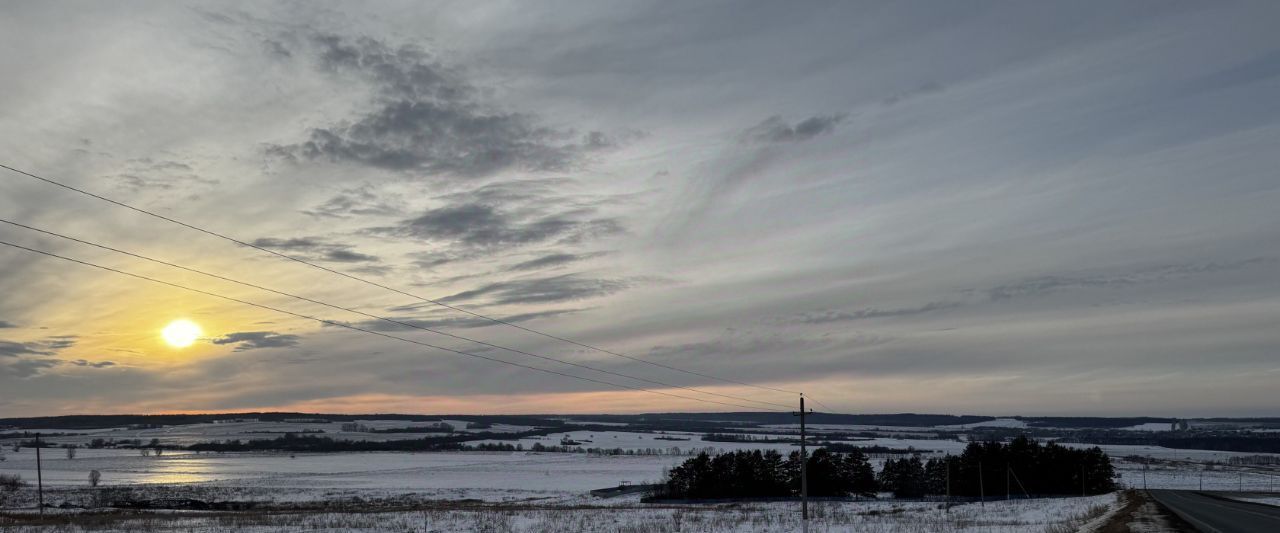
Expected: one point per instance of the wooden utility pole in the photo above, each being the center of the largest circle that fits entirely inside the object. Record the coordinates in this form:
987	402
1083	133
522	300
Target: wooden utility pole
804	472
948	460
982	487
39	476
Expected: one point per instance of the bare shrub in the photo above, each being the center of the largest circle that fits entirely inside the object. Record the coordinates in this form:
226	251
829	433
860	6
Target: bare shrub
11	482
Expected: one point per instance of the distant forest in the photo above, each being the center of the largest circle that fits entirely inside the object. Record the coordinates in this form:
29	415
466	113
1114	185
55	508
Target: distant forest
1022	467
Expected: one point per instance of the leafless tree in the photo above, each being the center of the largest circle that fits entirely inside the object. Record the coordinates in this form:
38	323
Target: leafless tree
144	452
94	478
71	452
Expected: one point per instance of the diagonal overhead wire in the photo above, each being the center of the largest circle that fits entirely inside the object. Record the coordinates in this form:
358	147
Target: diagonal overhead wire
386	287
365	330
380	318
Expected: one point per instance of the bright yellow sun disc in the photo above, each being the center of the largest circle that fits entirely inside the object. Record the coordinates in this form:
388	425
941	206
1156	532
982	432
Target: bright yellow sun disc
181	333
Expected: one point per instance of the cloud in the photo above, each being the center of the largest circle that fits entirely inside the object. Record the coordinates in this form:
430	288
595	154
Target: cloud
482	225
543	290
14	349
99	364
25	368
4	324
251	340
47	346
362	200
926	89
465	322
317	248
829	316
426	117
549	260
1060	283
776	130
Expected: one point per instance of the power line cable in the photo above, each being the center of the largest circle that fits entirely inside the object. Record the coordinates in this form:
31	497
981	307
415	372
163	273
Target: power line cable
385	287
381	318
364	330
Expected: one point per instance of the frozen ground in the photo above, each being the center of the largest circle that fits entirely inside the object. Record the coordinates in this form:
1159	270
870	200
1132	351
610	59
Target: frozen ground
485	475
1065	514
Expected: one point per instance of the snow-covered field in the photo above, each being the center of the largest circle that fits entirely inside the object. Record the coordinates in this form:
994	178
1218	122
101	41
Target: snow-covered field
483	475
854	517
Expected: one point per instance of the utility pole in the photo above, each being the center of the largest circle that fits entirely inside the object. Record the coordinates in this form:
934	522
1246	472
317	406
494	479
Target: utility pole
948	460
1144	473
982	487
1201	478
1006	482
804	472
1240	481
1083	482
39	476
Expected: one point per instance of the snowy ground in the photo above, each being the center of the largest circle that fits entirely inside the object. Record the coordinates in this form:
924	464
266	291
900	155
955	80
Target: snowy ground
484	475
1065	514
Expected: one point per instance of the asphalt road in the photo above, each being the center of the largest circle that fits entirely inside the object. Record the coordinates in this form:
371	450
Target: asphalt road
1213	515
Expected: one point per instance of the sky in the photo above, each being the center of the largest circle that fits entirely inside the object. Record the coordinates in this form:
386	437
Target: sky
961	207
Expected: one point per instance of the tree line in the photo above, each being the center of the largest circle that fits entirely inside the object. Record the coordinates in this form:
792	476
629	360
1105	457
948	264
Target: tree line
1022	467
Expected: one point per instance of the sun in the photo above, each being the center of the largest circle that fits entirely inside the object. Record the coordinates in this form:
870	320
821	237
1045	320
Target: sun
181	333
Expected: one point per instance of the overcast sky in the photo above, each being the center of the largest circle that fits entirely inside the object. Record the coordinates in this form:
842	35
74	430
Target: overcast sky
959	207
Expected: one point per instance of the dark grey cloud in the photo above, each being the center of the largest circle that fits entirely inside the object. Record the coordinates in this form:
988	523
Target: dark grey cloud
357	201
549	260
829	316
14	349
483	225
47	346
776	130
26	368
98	364
426	117
5	324
465	322
160	174
1060	283
543	290
347	256
251	340
317	248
